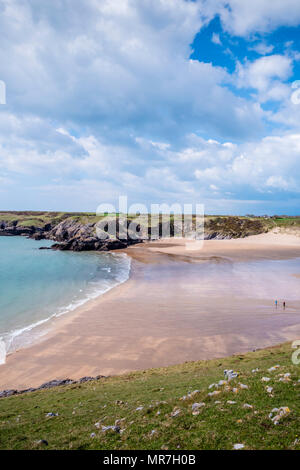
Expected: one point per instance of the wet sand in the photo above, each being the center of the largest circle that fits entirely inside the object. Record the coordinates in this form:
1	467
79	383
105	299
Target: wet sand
159	317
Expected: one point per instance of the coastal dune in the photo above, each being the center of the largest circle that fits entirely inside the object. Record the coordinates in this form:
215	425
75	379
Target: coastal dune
168	312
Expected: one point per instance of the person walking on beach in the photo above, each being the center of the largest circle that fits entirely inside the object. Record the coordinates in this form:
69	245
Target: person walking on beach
283	305
276	303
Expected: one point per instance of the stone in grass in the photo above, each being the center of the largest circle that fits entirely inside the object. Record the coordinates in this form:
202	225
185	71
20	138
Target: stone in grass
111	428
212	386
196	408
215	392
176	412
285	377
118	422
238	446
230	374
139	408
269	389
281	412
197	405
274	368
42	442
230	402
246	405
222	382
189	395
98	424
243	386
51	415
265	379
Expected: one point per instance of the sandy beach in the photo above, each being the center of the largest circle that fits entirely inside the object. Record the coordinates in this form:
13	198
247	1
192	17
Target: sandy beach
160	316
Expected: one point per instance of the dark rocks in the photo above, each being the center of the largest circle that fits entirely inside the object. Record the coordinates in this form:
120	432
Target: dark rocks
48	385
8	393
13	228
86	379
27	390
92	244
55	383
38	236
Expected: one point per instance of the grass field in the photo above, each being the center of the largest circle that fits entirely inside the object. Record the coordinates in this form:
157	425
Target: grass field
148	409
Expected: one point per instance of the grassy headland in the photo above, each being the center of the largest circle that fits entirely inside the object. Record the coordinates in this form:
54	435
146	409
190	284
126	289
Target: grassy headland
148	408
227	226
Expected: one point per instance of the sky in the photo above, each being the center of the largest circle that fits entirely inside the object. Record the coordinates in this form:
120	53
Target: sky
163	101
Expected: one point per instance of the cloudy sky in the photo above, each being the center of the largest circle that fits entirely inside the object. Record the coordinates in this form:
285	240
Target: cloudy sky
165	101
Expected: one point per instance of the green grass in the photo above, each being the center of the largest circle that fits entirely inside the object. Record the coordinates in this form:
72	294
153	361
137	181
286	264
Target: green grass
23	419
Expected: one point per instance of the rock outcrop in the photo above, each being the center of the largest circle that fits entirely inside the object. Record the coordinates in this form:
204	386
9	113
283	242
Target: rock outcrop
75	236
13	228
70	233
51	384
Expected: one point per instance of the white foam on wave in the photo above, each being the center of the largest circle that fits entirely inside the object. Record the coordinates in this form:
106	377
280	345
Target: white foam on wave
18	338
2	352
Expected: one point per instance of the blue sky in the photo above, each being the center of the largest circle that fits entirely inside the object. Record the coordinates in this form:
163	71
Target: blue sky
165	101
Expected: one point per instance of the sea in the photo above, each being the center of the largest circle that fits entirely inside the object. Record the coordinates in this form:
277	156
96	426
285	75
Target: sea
37	286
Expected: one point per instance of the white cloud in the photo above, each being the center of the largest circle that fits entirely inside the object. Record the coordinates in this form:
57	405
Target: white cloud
266	75
270	164
262	48
103	99
216	39
117	67
201	171
242	18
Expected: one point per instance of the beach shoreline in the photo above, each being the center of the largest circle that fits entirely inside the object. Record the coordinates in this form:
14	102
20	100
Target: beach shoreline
156	319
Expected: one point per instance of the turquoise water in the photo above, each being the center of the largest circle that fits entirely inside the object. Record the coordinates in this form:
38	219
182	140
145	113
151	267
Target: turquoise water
39	285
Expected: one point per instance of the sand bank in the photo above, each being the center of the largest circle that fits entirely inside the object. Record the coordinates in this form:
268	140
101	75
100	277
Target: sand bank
160	316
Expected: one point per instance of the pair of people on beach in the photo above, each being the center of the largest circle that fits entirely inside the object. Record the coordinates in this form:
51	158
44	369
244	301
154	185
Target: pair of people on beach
276	304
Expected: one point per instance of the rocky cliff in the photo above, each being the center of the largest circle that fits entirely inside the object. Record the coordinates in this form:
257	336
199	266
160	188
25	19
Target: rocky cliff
68	234
77	234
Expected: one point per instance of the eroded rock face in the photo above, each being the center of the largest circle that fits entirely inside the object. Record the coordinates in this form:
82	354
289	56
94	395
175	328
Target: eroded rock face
86	237
12	229
71	229
71	234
